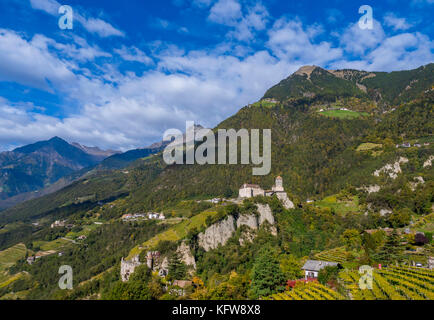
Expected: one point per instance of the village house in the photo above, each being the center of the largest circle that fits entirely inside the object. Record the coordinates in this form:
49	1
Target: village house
152	215
31	259
180	287
216	200
312	267
57	224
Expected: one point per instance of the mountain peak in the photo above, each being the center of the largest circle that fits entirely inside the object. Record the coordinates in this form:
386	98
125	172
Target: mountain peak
56	138
306	70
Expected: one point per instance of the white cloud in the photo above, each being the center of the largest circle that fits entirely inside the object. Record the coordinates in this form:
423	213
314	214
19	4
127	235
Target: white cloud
400	52
92	25
133	54
226	12
358	41
100	27
391	20
124	110
290	41
30	62
244	25
255	20
49	6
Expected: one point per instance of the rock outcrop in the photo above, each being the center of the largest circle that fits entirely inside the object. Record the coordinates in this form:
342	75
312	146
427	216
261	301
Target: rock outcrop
185	254
249	220
428	163
384	212
417	181
217	234
371	189
391	169
220	232
283	197
265	214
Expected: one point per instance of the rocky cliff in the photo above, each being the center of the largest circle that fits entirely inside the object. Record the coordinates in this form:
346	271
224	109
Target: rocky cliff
220	232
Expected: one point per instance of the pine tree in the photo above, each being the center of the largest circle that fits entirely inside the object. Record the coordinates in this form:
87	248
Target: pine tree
177	269
391	251
267	278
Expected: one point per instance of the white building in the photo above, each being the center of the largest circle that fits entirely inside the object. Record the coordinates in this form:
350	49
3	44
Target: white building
278	185
312	267
250	190
58	223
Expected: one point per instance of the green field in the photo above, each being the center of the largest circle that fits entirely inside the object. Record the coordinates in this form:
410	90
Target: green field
265	104
9	257
87	229
51	245
424	223
339	206
343	114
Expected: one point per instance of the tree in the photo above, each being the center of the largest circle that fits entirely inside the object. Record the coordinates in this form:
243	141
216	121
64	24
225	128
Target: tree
328	274
132	290
267	278
391	251
351	239
177	269
291	267
420	239
400	218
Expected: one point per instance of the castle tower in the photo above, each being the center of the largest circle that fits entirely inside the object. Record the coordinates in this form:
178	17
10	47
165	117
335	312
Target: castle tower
149	260
278	185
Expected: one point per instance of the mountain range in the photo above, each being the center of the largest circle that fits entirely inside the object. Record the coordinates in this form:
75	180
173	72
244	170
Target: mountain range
354	150
315	153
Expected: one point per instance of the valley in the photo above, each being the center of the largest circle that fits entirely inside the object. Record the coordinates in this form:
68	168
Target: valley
351	154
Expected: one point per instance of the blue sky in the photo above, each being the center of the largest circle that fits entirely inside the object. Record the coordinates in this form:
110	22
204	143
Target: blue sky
129	70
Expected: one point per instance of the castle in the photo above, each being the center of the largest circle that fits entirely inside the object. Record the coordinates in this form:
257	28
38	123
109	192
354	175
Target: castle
128	267
253	190
152	259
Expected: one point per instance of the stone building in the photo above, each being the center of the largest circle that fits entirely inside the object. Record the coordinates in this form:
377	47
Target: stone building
250	190
253	190
152	258
278	185
128	267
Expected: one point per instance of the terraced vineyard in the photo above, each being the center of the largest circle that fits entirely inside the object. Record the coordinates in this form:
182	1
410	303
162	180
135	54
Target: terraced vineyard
308	291
393	283
9	257
334	255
